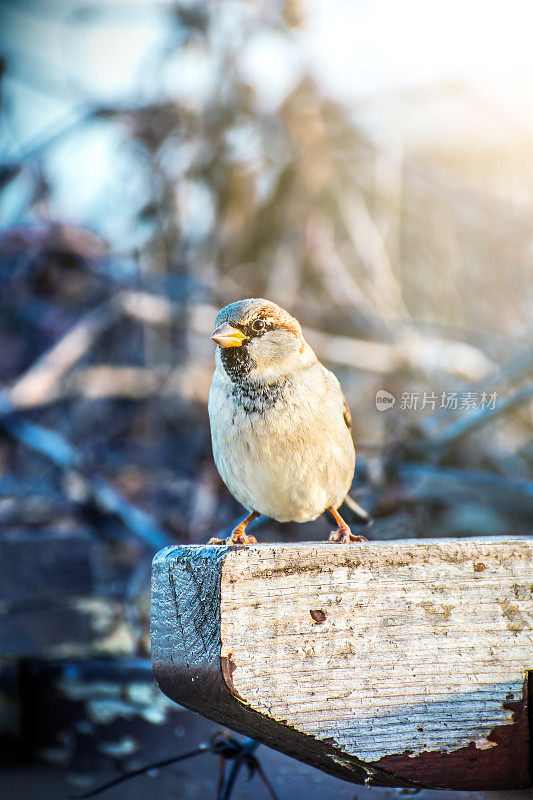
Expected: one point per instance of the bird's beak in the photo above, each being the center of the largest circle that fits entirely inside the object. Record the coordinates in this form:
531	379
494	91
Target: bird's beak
228	336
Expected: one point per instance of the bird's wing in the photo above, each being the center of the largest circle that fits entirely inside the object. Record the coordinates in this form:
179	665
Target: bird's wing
346	413
333	385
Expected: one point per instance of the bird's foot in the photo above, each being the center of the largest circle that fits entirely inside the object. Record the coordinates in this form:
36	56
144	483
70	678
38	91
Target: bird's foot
237	537
240	537
343	535
238	534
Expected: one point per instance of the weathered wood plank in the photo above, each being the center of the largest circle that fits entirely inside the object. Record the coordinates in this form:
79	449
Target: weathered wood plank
382	663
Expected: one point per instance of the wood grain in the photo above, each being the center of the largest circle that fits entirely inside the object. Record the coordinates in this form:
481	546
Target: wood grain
406	661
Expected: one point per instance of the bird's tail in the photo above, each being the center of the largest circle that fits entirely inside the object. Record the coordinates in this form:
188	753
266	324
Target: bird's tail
359	514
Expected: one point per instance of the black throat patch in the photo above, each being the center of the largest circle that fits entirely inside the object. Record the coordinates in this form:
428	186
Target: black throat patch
254	396
237	362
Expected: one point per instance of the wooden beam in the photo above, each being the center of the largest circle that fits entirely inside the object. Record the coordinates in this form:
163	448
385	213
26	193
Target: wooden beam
390	664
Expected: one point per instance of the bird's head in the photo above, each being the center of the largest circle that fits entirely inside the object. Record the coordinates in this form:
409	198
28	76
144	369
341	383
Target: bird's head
259	341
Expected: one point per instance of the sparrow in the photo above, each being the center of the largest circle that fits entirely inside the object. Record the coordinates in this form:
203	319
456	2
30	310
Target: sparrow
280	424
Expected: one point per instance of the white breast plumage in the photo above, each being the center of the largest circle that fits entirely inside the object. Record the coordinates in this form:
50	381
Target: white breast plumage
283	449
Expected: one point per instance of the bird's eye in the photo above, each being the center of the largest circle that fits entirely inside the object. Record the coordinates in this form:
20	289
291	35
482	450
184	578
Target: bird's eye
258	325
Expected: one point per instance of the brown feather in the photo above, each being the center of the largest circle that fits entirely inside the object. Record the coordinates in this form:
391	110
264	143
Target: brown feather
346	414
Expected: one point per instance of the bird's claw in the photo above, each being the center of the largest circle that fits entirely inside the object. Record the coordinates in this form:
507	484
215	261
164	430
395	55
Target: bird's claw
345	536
237	537
240	537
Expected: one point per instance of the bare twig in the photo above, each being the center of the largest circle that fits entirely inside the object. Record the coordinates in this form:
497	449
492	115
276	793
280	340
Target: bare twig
517	368
268	785
103	381
147	307
226	747
339	285
367	240
448	477
54	132
40	383
479	417
242	756
203	748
